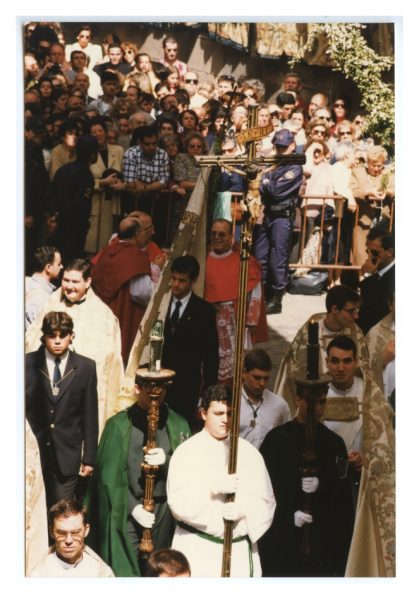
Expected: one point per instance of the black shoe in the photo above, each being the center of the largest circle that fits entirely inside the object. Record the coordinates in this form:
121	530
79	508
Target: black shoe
274	306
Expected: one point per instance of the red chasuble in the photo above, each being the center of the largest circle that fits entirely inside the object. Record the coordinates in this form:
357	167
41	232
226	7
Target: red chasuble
151	250
117	265
222	285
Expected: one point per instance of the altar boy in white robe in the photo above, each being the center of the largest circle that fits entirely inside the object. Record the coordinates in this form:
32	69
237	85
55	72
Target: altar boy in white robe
197	484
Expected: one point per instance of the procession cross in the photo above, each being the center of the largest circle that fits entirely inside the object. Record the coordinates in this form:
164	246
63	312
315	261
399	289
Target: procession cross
251	204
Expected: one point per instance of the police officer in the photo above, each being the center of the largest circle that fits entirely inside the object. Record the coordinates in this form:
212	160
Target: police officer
279	192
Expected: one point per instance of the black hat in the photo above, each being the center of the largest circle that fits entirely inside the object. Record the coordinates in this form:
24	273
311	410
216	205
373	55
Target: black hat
35	124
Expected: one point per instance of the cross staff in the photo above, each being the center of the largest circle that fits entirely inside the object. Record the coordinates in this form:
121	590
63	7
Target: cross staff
252	166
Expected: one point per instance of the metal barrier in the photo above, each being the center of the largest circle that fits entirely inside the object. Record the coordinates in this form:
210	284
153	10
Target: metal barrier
339	214
163	205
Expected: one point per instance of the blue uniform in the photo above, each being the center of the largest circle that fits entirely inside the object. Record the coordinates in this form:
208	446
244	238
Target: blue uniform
279	192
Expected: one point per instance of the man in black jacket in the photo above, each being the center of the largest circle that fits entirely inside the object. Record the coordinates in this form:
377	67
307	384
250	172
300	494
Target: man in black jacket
190	340
62	409
377	289
72	189
37	186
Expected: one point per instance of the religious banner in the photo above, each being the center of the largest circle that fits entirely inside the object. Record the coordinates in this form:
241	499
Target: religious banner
275	39
232	34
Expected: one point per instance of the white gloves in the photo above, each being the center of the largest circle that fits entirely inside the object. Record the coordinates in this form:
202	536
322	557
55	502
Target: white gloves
143	517
226	484
232	511
265	181
309	485
155	457
300	518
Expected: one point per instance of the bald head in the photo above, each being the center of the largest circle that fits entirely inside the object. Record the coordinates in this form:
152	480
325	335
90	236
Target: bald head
317	101
128	228
145	229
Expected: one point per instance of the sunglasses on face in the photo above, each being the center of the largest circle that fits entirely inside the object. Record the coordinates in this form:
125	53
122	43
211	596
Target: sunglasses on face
358	122
195	81
325	118
345	132
319	131
338	105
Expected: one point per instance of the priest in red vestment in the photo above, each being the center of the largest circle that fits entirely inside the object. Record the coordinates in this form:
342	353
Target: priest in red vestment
124	279
222	290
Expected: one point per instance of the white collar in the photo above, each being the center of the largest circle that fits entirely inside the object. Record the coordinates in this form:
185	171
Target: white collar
52	357
183	300
385	269
224	255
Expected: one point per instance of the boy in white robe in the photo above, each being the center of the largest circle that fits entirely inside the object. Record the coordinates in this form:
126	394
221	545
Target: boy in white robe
197	484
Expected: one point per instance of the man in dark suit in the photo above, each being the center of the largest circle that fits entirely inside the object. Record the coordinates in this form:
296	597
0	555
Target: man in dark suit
62	409
190	340
378	288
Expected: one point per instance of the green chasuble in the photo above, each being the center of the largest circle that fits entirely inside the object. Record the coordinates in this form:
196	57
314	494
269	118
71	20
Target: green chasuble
107	496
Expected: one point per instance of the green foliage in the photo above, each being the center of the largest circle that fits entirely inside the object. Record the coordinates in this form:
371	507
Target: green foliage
352	56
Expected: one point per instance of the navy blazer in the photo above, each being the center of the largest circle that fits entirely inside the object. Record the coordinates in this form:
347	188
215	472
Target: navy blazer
67	424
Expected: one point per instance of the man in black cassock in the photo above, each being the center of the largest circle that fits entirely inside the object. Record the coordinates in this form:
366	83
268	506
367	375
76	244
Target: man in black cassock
307	465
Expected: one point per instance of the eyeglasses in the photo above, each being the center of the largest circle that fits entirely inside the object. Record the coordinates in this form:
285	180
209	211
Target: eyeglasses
352	311
325	118
319	131
195	81
358	122
339	105
218	234
345	132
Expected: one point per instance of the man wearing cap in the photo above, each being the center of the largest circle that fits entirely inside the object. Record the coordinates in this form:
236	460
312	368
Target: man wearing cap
279	193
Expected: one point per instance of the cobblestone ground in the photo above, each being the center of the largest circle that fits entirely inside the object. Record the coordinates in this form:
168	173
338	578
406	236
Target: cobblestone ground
283	327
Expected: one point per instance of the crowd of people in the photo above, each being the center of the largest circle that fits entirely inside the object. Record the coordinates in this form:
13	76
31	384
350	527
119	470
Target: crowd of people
111	136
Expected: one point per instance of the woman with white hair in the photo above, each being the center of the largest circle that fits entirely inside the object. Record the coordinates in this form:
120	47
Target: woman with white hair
373	188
